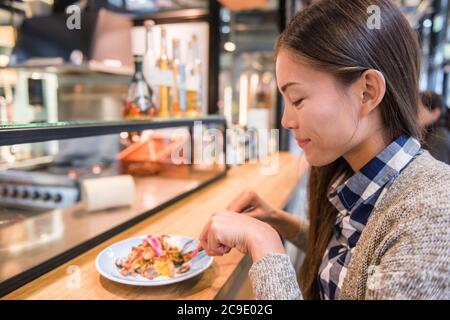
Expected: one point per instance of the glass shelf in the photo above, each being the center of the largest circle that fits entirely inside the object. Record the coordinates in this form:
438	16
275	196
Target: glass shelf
58	66
38	132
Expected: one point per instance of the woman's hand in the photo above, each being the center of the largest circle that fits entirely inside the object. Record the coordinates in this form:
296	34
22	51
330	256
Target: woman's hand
249	203
226	230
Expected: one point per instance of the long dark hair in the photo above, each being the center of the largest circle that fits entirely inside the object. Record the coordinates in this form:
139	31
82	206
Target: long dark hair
334	36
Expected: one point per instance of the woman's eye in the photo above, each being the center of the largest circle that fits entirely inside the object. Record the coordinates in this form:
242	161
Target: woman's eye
297	102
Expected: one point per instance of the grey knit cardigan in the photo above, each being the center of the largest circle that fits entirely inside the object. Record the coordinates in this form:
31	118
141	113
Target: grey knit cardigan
403	252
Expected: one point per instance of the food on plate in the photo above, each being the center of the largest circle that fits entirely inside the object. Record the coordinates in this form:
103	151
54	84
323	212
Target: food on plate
155	257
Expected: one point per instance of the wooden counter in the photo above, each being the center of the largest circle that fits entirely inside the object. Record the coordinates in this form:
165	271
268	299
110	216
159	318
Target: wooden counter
225	279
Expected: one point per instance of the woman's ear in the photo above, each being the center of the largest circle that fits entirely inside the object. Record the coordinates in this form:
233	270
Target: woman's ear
373	89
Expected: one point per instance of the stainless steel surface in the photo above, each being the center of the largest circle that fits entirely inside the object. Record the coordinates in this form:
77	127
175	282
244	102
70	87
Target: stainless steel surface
47	186
37	196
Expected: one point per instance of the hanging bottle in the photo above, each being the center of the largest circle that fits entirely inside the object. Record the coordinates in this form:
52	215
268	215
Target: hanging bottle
179	101
151	72
191	82
139	102
166	77
198	73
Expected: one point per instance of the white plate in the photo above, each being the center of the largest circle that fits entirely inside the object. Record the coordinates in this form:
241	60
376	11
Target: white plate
105	263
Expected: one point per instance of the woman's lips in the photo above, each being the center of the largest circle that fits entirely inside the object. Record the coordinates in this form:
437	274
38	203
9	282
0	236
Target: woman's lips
302	142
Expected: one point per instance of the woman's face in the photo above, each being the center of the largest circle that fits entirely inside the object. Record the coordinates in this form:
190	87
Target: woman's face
322	114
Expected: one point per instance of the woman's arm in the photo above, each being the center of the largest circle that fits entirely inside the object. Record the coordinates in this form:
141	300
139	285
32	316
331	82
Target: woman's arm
289	226
273	278
292	227
272	274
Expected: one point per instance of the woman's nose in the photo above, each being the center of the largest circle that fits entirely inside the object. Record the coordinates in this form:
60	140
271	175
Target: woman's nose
288	121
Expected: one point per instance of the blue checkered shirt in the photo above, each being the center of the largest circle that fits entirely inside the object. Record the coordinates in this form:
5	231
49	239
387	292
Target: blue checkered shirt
355	200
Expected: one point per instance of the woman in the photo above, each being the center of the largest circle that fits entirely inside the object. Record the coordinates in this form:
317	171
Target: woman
379	205
433	114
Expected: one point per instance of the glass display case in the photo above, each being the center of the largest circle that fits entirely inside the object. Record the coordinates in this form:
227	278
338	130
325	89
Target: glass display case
65	187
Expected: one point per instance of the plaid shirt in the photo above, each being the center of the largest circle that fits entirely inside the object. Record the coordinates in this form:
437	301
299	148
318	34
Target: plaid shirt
355	200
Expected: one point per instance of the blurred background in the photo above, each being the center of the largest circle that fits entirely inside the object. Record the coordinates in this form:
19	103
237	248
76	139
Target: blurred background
106	62
87	71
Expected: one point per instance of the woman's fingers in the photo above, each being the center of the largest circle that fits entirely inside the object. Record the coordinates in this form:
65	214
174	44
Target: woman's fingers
243	201
204	235
226	230
255	213
211	235
214	247
208	241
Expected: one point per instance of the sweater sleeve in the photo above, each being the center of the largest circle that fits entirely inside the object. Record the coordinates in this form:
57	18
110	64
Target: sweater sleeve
414	263
273	278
